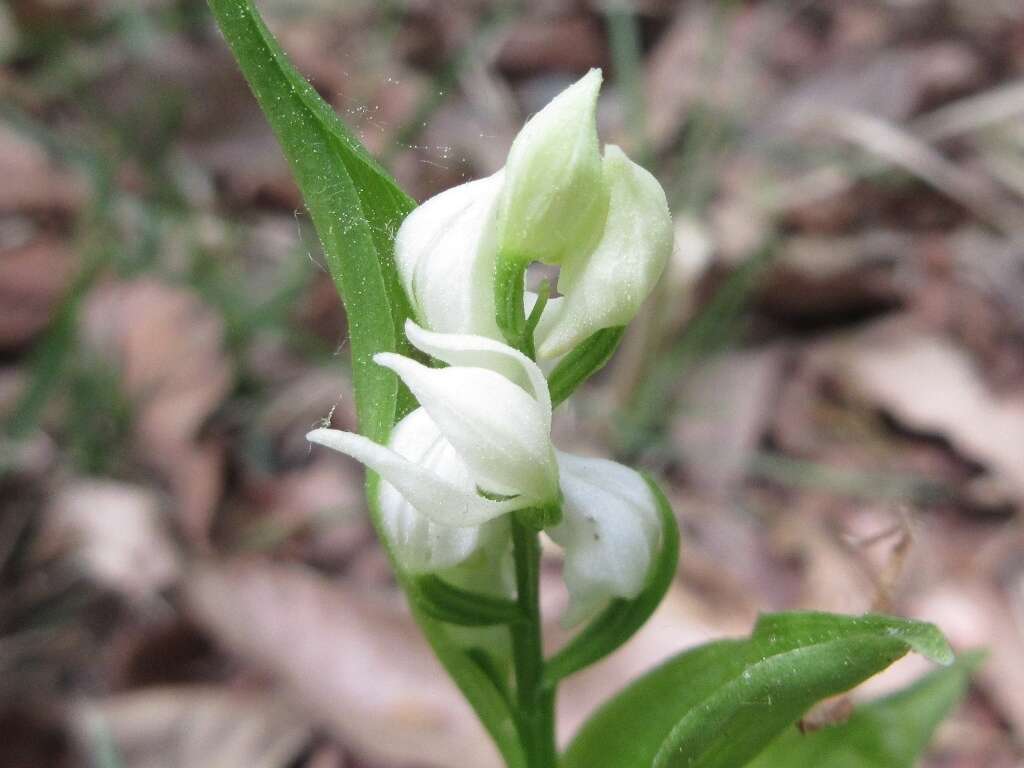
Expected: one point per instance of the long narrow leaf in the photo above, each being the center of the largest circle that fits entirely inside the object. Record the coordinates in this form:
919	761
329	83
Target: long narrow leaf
355	205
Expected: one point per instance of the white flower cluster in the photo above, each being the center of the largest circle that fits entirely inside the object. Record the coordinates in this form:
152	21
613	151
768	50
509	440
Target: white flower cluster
479	446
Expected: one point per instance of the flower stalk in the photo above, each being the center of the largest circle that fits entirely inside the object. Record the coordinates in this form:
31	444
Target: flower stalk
534	701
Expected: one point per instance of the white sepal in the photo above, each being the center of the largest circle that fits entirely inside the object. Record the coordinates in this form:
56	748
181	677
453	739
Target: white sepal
553	202
481	352
610	531
444	255
500	431
606	287
436	497
421	544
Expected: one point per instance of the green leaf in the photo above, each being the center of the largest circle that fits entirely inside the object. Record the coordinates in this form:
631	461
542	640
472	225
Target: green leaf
889	733
718	705
620	620
355	206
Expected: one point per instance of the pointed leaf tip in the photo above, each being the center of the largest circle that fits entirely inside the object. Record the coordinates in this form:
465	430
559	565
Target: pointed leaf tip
919	636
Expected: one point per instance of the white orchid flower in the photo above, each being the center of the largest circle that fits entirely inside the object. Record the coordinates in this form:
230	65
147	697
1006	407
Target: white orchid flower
491	405
604	220
484	426
610	530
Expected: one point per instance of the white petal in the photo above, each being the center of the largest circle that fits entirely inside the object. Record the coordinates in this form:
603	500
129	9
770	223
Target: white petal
554	199
499	430
610	530
481	352
421	544
444	254
605	288
434	496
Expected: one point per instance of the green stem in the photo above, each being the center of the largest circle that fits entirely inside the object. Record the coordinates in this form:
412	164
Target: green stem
510	313
534	700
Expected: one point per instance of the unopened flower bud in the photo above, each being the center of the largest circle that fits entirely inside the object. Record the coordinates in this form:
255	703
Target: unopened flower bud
553	202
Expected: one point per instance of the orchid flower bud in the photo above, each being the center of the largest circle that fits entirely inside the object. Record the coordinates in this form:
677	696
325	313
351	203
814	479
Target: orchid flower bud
498	428
444	255
553	202
610	531
605	288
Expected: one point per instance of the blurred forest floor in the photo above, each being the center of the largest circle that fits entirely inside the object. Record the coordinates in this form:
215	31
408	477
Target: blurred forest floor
830	379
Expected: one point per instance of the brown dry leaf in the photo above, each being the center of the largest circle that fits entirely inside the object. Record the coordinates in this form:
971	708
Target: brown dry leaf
831	579
930	386
184	727
32	181
989	264
116	533
34	277
888	85
222	130
354	660
820	277
547	45
168	347
692	254
725	410
318	508
703	57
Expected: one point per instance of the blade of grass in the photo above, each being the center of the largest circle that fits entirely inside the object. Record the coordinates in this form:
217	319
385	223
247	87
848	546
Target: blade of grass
624	41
